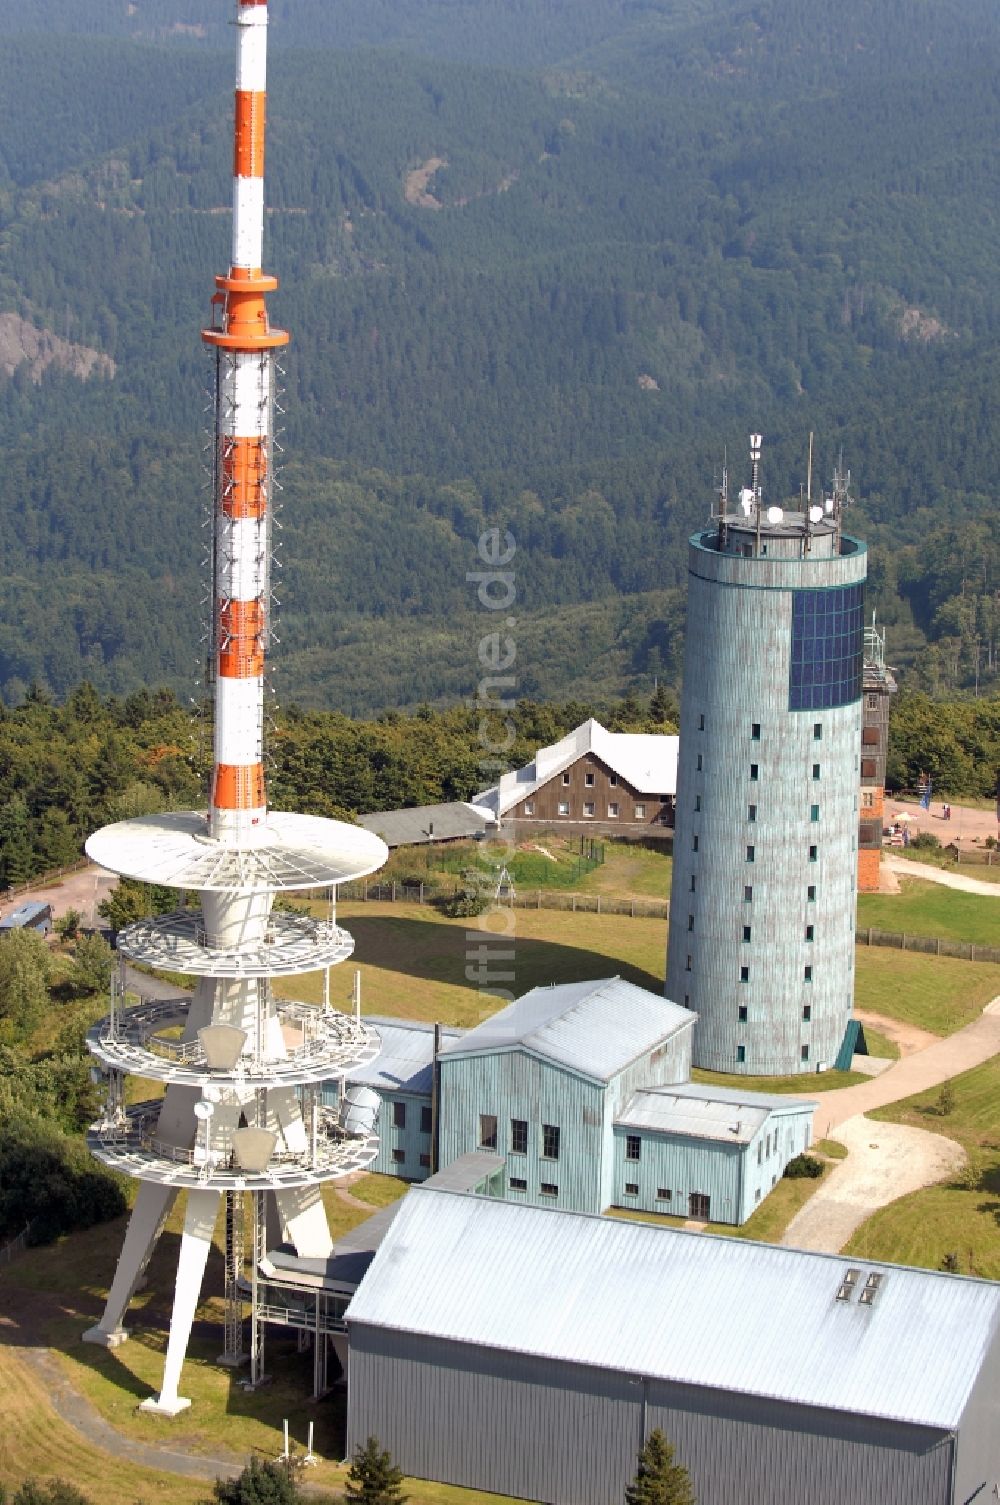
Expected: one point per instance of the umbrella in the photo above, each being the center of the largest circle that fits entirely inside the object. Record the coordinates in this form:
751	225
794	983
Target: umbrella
904	815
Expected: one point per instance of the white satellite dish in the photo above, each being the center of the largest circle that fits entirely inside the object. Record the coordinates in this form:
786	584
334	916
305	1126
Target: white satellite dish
204	1110
746	500
815	514
774	514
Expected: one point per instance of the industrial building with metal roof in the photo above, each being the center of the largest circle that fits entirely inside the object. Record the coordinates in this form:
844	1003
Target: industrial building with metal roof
420	825
529	1352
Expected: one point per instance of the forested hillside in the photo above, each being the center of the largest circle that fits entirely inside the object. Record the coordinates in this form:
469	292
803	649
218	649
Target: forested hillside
639	230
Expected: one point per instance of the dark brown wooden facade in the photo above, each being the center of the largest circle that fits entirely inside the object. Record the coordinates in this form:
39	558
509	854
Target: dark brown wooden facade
590	791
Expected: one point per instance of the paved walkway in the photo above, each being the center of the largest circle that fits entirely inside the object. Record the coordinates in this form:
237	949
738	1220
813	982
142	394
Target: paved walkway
885	1162
968	1047
904	868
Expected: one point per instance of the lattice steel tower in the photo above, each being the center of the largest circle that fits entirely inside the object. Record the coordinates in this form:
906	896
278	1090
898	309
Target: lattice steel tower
764	884
241	1111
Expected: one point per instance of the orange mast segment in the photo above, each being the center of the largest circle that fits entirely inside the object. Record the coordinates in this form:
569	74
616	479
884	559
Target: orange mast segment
244	344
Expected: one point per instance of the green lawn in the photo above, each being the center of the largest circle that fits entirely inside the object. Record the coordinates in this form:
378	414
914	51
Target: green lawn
925	908
880	1045
937	993
802	1083
542	861
920	1229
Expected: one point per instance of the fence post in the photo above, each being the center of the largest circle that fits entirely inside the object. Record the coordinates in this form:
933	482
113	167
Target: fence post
869	935
421	898
937	949
972	948
538	894
632	908
574	903
903	946
598	903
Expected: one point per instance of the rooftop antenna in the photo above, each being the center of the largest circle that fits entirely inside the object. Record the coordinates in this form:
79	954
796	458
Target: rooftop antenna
756	440
723	494
809	492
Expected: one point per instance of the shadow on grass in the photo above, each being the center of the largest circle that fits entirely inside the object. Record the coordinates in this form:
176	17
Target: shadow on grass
437	952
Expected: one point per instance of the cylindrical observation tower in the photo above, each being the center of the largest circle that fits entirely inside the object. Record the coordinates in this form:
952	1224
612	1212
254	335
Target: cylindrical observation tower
239	1070
762	903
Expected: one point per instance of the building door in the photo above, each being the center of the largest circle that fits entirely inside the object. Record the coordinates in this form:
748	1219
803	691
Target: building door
699	1204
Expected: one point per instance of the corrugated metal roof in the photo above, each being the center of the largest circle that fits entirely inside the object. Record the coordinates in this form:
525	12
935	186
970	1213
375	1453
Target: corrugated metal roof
422	824
467	1172
23	915
404	1062
720	1113
595	1028
646	761
690	1308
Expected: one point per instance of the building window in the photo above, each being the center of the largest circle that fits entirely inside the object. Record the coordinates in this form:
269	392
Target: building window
815	770
687	1000
741	1052
613	780
687	964
633	1147
425	1162
640	812
750	854
692	882
487	1131
751	812
399	1157
425	1119
807	1012
519	1136
873	702
663	1194
755	732
746	933
690	921
399	1115
754	773
549	1189
517	1183
588	808
811	893
613	811
805	1052
698	764
814	812
807	973
631	1188
741	1013
813	854
550	1142
563	807
699	1206
694	843
747	893
565	778
588	779
817	731
744	974
701	723
867	800
810	932
697	804
529	807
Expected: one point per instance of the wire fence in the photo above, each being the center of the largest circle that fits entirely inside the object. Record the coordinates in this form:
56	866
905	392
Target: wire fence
933	945
9	1252
43	880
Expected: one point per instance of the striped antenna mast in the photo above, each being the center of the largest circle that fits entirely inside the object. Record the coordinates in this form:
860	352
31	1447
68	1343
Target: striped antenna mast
244	343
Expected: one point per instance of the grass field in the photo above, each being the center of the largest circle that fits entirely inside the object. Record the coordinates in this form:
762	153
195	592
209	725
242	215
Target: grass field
937	993
925	908
548	860
922	1228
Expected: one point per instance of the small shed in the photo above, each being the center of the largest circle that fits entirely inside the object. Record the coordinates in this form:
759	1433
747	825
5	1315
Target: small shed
32	916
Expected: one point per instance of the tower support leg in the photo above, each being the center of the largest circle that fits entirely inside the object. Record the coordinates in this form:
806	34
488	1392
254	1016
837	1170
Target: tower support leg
199	1224
151	1210
304	1215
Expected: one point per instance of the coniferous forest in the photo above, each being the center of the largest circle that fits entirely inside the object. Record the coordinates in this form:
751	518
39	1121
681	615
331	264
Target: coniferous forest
544	263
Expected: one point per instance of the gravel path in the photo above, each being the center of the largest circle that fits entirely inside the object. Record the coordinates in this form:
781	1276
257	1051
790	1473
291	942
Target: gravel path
885	1162
904	868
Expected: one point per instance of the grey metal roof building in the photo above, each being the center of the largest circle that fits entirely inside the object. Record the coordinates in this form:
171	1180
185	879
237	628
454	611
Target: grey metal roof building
420	825
528	1352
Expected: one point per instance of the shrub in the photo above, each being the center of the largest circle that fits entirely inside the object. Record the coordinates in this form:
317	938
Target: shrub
804	1165
925	841
464	903
946	1100
374	1479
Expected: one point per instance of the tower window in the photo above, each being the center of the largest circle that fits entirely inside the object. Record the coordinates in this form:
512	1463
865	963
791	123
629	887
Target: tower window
694	843
817	731
690	921
750	854
744	974
687	964
815	770
807	1012
751	812
698	764
755	732
813	854
807	975
697	804
746	932
748	893
701	723
754	772
811	893
741	1013
814	812
693	882
810	932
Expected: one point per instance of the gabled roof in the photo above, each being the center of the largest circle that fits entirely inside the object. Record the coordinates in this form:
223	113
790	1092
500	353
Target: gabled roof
421	824
404	1062
684	1307
646	762
594	1028
719	1113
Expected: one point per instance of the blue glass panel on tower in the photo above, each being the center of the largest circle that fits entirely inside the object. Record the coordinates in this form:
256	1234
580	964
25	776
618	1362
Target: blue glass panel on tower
827	649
